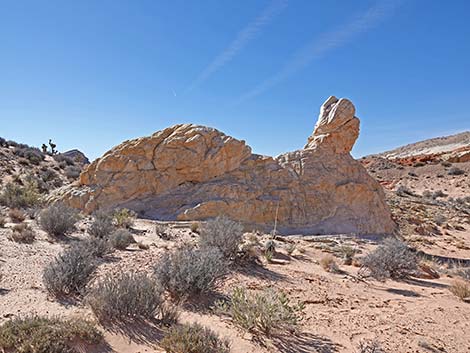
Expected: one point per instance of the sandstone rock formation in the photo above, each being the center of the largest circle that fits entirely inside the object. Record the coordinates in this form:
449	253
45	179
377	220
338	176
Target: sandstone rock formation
189	172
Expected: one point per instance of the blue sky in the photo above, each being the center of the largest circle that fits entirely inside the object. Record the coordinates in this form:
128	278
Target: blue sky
90	74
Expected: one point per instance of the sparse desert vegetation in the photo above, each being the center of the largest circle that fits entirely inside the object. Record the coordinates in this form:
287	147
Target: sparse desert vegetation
213	286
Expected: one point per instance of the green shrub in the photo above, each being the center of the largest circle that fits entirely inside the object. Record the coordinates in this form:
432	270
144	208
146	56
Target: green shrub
124	218
189	271
46	335
102	225
392	259
121	239
224	234
69	273
57	220
15	196
193	338
128	296
261	312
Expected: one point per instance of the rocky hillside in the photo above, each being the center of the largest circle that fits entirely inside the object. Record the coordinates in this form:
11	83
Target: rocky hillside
22	164
454	148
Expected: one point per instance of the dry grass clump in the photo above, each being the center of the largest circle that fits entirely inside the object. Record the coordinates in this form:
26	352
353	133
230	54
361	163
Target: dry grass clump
262	312
223	234
22	233
328	263
193	338
124	218
16	215
392	259
16	196
70	272
129	296
57	220
120	239
370	347
461	289
52	335
102	225
188	271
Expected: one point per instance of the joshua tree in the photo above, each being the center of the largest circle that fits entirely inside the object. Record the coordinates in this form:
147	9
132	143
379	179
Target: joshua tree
53	146
44	148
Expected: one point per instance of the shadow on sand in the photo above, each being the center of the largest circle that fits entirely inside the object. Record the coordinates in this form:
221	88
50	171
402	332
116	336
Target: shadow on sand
304	343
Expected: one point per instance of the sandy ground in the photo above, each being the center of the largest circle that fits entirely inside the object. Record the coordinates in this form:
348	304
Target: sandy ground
340	310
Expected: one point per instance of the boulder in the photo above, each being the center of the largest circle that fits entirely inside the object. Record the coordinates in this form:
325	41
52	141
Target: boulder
190	172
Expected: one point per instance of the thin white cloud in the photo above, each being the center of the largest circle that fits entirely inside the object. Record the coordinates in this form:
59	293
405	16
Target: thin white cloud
324	44
248	33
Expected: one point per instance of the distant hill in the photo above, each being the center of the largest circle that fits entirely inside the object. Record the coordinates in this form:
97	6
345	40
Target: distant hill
435	146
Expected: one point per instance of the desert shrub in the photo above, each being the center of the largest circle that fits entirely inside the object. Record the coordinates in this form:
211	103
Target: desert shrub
347	253
464	273
69	273
32	154
261	312
188	271
102	225
57	220
16	215
224	234
22	233
392	259
328	263
370	347
194	227
446	164
269	250
461	289
48	174
121	239
404	191
128	296
96	247
64	160
3	142
193	338
455	171
3	221
124	218
36	334
72	171
290	248
16	196
419	164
